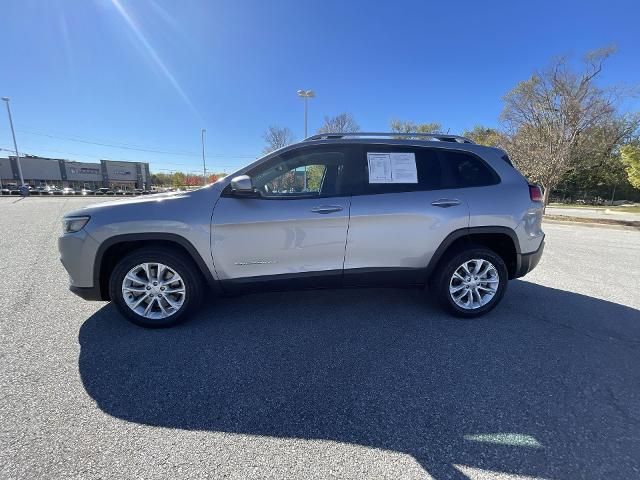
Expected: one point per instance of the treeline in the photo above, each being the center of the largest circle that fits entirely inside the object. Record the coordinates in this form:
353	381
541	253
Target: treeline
180	179
561	127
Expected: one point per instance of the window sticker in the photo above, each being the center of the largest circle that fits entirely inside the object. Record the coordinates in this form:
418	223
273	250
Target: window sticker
379	167
392	167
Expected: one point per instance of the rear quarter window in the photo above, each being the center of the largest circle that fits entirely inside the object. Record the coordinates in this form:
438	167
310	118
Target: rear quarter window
467	170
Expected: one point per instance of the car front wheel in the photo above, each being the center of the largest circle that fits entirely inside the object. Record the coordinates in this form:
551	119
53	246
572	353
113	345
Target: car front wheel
472	283
155	288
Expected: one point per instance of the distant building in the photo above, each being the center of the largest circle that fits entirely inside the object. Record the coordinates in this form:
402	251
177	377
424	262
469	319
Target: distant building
67	173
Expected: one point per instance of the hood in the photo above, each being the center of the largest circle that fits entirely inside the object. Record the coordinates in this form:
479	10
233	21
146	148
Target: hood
145	201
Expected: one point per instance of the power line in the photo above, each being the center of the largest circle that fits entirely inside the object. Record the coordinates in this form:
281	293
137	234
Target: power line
126	146
99	157
24	153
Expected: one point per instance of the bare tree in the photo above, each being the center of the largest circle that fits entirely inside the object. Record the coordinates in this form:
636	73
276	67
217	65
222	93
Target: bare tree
277	137
343	122
558	117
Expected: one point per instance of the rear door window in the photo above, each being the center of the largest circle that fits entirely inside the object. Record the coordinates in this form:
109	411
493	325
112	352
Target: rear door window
427	163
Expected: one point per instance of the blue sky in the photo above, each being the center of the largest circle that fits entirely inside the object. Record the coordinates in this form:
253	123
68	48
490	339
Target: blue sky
152	73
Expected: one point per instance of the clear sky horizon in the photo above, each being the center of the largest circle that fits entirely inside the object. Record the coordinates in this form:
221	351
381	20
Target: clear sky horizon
149	74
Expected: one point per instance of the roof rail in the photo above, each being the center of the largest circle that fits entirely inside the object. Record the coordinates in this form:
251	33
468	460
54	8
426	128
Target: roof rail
441	137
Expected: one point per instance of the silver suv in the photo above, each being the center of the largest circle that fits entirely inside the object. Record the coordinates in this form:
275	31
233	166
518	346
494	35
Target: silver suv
334	210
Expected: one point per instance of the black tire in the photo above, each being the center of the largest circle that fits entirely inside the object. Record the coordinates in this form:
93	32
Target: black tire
442	278
175	260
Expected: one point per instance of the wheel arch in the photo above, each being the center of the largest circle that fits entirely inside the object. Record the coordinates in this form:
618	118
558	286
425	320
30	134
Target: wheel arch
114	247
502	240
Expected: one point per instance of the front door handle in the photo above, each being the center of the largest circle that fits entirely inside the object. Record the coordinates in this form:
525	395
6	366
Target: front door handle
446	202
326	209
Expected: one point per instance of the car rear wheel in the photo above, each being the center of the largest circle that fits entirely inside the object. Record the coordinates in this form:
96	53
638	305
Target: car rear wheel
472	282
156	287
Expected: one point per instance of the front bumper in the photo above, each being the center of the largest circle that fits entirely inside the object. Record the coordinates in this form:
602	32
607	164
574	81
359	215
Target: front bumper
528	261
77	254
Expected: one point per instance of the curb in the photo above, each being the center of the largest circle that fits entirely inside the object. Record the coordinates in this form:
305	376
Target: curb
612	226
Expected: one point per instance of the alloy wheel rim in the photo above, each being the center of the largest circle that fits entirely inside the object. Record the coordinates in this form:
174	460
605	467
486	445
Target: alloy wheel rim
153	290
474	284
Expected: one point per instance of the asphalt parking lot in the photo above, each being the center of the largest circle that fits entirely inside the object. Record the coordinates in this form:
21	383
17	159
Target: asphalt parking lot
323	384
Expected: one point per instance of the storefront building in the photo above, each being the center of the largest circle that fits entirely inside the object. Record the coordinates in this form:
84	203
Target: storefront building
40	171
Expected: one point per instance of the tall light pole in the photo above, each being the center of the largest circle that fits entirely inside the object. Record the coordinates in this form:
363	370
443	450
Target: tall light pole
15	144
204	164
306	94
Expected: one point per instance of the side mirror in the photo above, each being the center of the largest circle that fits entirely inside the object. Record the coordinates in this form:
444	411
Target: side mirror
242	184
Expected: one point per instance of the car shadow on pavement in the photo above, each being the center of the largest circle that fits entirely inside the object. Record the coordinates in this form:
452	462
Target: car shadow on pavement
545	385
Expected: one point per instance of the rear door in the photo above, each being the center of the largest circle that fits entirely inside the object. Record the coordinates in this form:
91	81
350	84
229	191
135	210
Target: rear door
398	219
294	227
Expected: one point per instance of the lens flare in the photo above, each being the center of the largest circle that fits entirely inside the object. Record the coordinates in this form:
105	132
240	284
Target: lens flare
135	28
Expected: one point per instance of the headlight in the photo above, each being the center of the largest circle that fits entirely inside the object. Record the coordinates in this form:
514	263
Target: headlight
73	224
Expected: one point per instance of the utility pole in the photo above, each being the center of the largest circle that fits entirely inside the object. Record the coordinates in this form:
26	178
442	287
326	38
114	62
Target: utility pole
204	164
15	144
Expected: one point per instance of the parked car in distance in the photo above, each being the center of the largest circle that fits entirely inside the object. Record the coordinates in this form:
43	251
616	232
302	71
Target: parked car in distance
68	191
86	191
343	209
105	191
49	190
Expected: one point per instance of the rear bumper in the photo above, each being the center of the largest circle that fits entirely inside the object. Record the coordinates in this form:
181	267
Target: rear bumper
528	261
87	293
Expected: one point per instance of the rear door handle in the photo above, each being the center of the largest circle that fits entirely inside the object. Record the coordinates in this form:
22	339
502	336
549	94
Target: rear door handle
446	202
326	209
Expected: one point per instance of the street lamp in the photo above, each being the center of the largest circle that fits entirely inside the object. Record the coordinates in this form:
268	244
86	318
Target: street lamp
204	165
15	144
306	94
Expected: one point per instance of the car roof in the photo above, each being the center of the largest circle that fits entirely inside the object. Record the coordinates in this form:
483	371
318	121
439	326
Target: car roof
411	142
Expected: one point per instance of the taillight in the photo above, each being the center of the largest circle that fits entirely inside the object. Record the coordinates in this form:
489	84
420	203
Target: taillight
535	193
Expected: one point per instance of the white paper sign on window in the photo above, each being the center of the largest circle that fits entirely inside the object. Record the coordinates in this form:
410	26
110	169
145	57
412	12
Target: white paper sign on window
392	167
379	167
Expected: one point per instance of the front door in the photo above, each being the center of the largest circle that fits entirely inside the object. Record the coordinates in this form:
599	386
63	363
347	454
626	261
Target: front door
295	225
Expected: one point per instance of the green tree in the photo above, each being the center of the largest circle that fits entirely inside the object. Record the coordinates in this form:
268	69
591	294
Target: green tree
630	154
178	179
603	179
161	179
315	173
488	136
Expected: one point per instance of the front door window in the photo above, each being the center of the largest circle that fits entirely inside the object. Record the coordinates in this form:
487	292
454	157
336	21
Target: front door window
306	174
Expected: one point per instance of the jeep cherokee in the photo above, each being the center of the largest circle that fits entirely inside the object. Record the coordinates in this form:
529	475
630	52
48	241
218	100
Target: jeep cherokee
338	209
